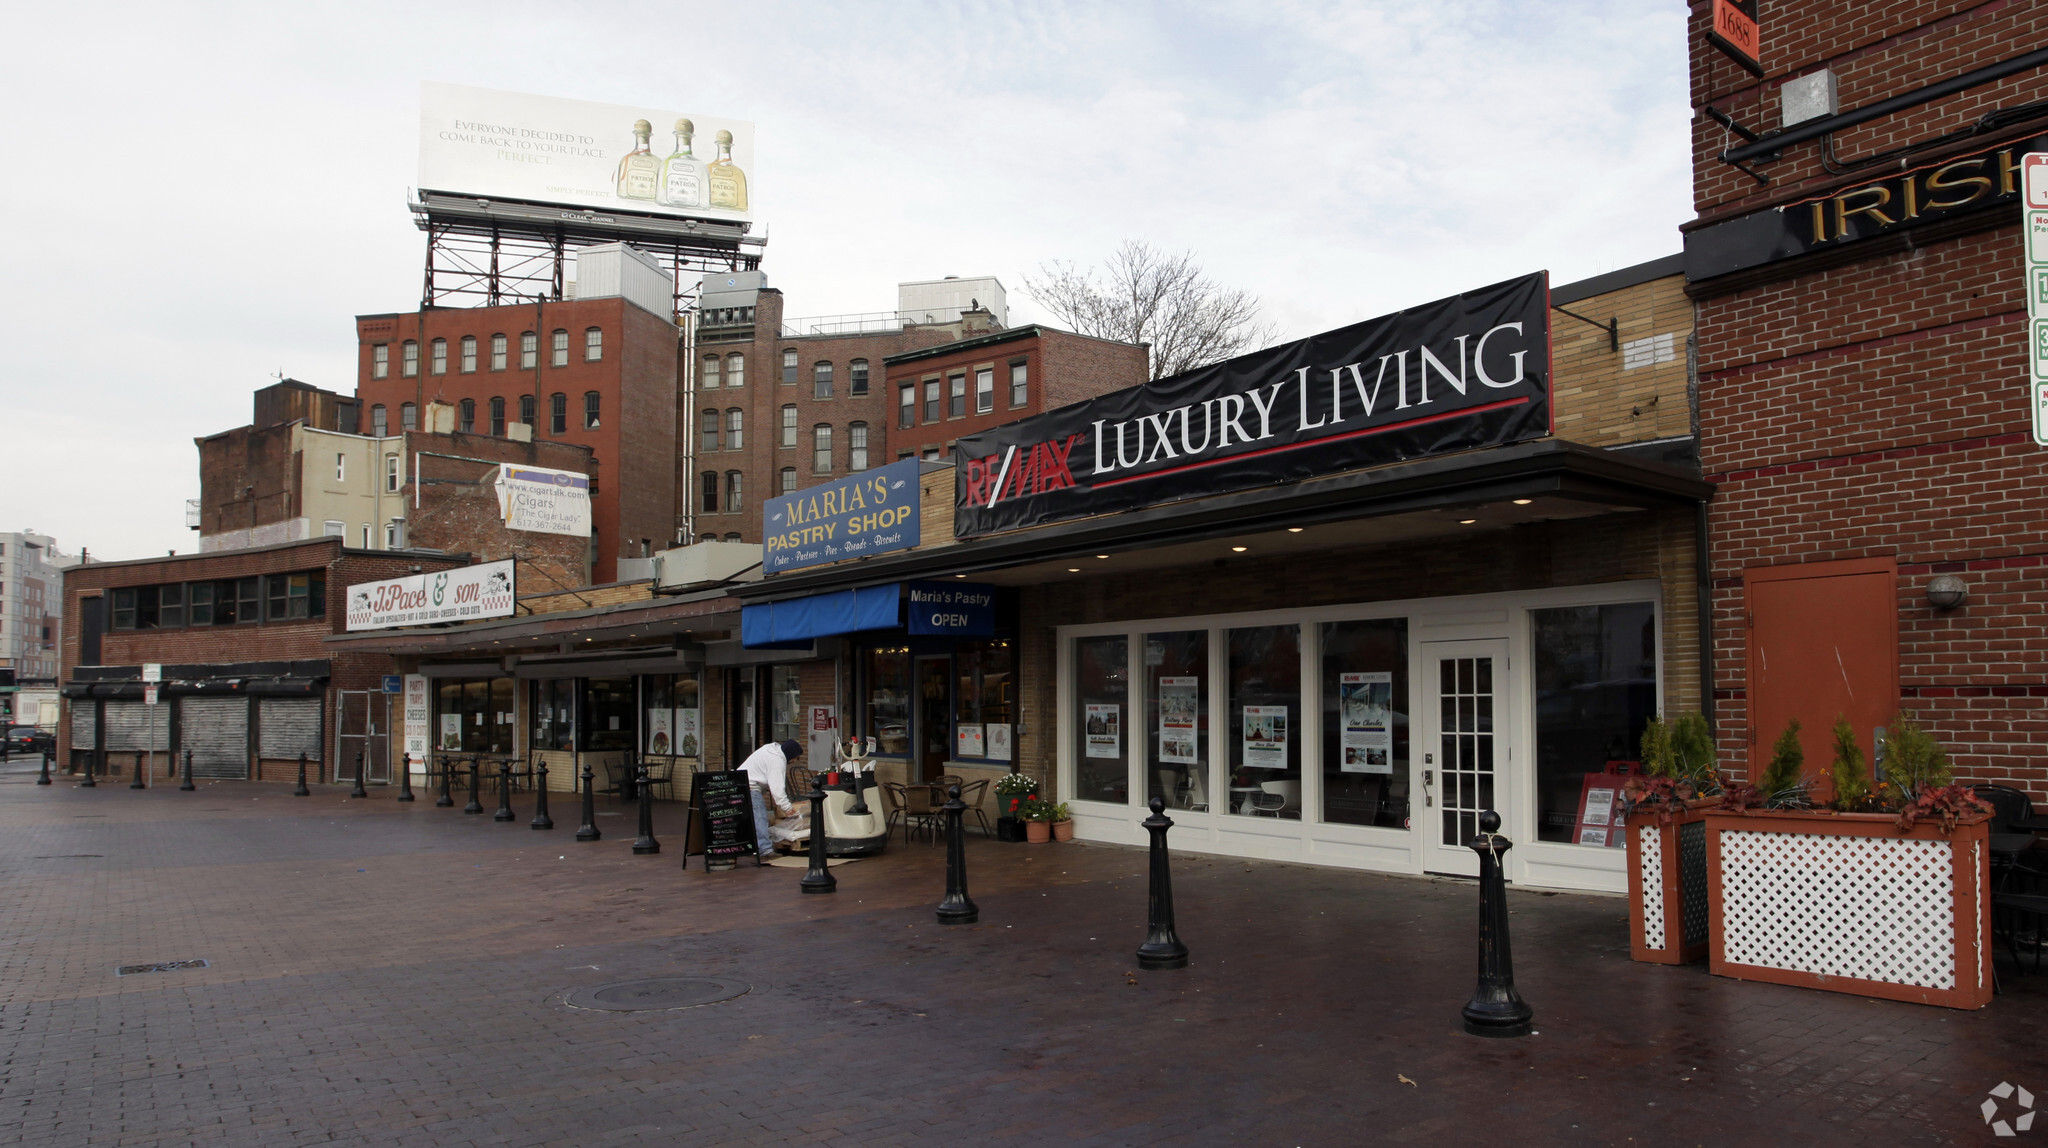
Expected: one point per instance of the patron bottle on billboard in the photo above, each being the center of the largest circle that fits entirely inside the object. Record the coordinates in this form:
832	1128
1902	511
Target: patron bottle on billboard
682	174
639	171
728	182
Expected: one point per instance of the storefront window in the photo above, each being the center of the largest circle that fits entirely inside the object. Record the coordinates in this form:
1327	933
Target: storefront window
983	701
607	714
473	716
1596	688
552	707
1365	722
670	718
786	706
1177	718
1101	693
885	708
1265	705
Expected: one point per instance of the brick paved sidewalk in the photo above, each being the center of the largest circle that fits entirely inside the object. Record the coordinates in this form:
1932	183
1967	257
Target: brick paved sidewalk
392	974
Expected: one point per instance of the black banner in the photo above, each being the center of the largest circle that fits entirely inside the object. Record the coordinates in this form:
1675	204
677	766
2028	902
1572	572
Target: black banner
728	813
1469	371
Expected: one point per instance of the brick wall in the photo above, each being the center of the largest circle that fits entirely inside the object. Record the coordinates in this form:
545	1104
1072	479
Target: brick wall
1077	367
1597	398
458	504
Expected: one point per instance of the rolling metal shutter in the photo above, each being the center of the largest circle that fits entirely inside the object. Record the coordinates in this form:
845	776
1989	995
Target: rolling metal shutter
288	727
216	730
84	714
128	727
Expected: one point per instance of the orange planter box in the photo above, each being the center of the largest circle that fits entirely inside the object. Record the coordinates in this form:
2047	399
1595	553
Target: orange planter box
1847	902
1667	885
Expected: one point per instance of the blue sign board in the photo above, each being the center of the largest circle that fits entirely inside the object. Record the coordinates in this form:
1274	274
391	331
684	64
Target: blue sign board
394	684
873	512
963	609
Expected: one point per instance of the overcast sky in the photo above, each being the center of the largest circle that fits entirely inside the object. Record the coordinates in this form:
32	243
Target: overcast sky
205	195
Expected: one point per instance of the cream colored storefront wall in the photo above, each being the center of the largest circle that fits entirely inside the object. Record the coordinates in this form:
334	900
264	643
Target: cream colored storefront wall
1502	616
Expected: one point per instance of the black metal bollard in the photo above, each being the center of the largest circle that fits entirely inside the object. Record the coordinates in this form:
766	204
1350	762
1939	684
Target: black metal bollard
359	791
588	831
474	805
645	843
1162	948
89	783
300	789
138	783
541	820
45	778
818	878
187	786
447	798
504	812
1495	1009
958	908
405	777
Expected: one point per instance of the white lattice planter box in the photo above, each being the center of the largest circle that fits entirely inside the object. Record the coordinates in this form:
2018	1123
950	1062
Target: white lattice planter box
1847	902
1667	885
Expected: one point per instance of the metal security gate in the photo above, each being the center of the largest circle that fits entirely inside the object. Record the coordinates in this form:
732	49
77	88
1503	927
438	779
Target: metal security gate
216	730
84	729
288	727
364	727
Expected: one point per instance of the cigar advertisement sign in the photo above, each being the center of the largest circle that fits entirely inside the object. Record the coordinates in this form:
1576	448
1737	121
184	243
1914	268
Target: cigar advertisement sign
1469	371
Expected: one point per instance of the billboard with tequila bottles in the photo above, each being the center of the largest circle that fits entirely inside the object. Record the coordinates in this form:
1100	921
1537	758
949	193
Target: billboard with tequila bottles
616	157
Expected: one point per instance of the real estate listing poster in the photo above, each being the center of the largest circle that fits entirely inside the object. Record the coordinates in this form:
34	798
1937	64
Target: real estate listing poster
1366	707
1104	735
1265	737
1178	703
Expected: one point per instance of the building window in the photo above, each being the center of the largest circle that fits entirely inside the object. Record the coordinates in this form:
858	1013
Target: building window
710	429
408	417
1596	688
558	348
296	597
931	400
379	421
984	390
391	473
199	603
1101	689
497	352
857	377
124	609
821	449
710	502
340	468
529	350
438	360
380	361
734	420
469	354
789	367
593	344
856	446
786	480
931	454
709	381
906	405
590	409
468	419
733	536
526	410
558	413
498	415
409	359
735	499
956	387
735	370
789	426
821	380
394	534
1020	385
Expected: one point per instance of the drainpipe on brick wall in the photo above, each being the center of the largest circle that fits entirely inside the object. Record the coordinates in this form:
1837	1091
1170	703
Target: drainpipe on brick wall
1703	568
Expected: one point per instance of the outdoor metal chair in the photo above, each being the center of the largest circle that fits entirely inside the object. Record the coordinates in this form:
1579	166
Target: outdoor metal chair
972	795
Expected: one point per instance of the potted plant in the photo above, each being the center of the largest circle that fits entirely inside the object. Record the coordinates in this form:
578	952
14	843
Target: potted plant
1012	791
1880	891
1664	826
1062	822
1037	818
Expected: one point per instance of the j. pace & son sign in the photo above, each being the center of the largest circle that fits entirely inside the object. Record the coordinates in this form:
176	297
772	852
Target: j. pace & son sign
464	594
1469	371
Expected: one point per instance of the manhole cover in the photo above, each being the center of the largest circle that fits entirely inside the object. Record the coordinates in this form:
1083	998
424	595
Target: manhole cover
159	967
657	993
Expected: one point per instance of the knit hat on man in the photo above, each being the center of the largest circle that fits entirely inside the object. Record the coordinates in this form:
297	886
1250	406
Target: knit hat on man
791	749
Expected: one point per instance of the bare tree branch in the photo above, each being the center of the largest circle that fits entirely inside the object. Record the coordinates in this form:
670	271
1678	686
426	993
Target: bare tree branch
1144	295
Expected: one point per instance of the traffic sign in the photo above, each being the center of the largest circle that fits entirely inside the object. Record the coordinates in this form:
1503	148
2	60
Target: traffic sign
149	694
394	683
152	671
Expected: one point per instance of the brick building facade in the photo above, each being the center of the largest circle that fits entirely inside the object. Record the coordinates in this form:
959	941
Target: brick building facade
943	392
1862	368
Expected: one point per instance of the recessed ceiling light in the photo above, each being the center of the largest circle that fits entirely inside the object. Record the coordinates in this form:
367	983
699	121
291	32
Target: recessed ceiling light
1238	549
1467	521
1102	555
1294	530
1073	569
1523	501
959	575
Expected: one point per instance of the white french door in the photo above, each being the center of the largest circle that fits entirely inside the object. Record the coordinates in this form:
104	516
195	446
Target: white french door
1462	757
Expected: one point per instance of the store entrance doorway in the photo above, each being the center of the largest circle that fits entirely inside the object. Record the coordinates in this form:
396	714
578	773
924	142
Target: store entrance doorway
744	733
1465	748
934	717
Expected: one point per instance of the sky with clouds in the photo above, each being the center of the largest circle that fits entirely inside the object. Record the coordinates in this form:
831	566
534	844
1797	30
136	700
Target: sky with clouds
206	194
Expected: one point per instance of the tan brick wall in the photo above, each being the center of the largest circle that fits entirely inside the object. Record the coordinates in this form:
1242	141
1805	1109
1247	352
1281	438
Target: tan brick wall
1596	400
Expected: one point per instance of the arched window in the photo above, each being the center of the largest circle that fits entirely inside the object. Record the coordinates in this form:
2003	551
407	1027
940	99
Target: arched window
857	377
789	426
789	366
497	352
408	417
558	413
409	359
529	350
787	479
856	446
526	410
379	421
709	426
708	377
732	536
821	449
735	370
593	344
734	420
735	499
469	354
468	423
439	359
558	348
498	415
821	379
710	495
590	407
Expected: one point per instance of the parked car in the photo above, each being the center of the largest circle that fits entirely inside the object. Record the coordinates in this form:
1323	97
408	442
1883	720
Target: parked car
29	740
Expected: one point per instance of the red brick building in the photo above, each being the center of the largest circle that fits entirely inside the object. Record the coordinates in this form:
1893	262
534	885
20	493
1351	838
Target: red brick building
943	392
1862	376
247	683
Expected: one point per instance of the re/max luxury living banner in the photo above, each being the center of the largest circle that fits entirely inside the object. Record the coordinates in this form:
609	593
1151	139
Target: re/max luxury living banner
1469	371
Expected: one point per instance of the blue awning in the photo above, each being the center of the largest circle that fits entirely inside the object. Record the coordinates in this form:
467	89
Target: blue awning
821	616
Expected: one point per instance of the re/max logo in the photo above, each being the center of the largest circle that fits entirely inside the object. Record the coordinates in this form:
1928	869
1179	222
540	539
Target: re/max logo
1020	471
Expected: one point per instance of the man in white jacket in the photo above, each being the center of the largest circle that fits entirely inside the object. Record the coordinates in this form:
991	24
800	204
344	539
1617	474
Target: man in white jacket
768	768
